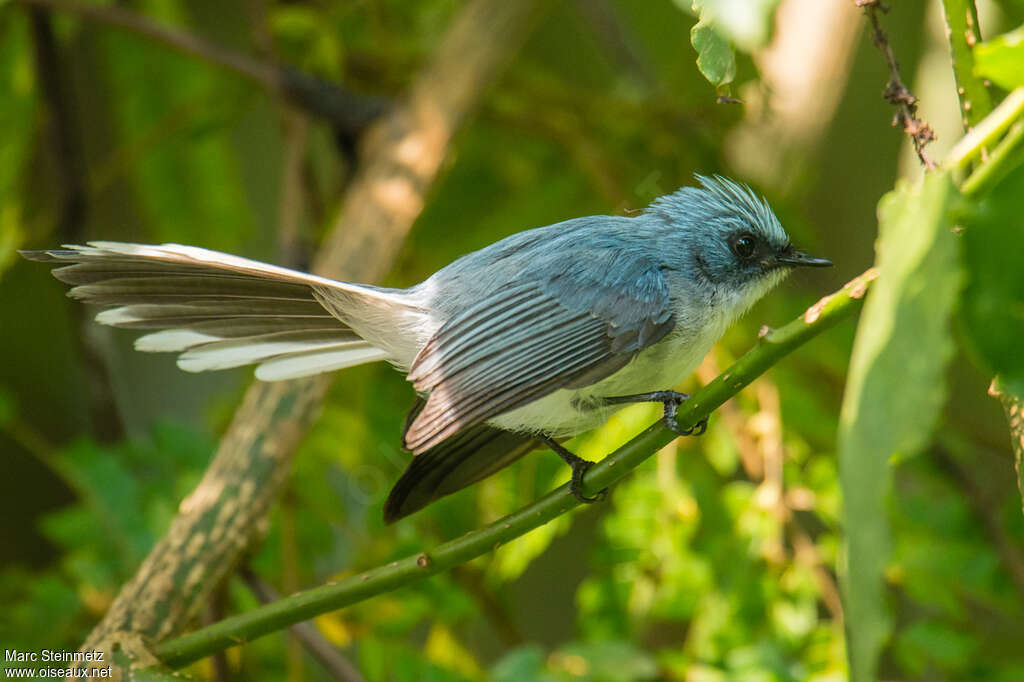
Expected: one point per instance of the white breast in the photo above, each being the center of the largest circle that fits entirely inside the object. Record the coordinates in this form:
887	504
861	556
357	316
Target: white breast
660	367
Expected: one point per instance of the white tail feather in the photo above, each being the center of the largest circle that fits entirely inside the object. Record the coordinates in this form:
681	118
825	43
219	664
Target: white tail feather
198	255
228	354
221	311
306	364
172	340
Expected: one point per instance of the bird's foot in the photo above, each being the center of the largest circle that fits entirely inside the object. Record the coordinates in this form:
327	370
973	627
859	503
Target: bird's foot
579	469
671	401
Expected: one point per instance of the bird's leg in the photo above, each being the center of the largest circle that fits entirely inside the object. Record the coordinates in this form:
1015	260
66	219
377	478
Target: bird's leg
579	468
671	400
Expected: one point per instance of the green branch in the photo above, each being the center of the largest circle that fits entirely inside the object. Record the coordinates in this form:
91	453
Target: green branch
964	33
1001	161
305	605
986	132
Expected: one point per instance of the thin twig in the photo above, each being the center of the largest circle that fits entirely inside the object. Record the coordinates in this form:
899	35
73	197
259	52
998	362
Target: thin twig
304	605
308	636
347	112
61	128
896	93
67	151
290	573
213	613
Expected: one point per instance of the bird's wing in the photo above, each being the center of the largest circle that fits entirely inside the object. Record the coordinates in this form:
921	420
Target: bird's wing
467	457
580	323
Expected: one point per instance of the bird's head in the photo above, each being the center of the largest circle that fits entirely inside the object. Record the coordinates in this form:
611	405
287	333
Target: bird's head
733	241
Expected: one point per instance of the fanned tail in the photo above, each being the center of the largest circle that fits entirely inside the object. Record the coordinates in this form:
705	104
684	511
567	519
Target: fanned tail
217	310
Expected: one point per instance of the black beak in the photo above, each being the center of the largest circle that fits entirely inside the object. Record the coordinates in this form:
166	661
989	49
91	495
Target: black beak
795	258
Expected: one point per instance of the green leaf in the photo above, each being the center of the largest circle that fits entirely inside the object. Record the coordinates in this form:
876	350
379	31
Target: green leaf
746	24
1001	60
895	390
715	58
992	305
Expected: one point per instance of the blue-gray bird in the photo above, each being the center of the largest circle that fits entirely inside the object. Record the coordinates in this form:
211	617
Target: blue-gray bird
530	340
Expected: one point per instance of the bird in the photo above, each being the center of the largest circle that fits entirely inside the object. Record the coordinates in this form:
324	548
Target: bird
524	343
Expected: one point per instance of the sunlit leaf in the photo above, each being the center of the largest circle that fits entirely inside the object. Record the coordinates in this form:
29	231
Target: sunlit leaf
715	58
1001	60
895	390
746	23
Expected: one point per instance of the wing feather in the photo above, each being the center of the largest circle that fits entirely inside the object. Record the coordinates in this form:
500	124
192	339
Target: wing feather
462	460
530	339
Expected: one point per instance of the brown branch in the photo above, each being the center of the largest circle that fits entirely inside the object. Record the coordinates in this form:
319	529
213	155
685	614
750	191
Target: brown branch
404	150
896	93
346	111
62	132
292	244
339	667
214	612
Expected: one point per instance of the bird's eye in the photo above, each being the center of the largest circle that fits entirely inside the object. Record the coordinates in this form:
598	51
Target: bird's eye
744	246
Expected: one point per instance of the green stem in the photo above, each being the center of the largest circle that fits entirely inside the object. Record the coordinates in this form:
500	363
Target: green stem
999	163
964	33
987	131
305	605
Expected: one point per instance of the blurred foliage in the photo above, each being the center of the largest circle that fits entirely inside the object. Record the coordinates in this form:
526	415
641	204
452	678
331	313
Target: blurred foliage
715	561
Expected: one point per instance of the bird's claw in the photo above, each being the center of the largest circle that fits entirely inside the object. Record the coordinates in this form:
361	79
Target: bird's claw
580	467
697	429
672	400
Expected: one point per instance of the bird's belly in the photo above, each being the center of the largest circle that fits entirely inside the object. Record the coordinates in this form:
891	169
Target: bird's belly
567	412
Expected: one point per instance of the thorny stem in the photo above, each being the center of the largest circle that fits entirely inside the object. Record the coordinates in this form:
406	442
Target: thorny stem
986	132
772	347
964	34
989	173
896	93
